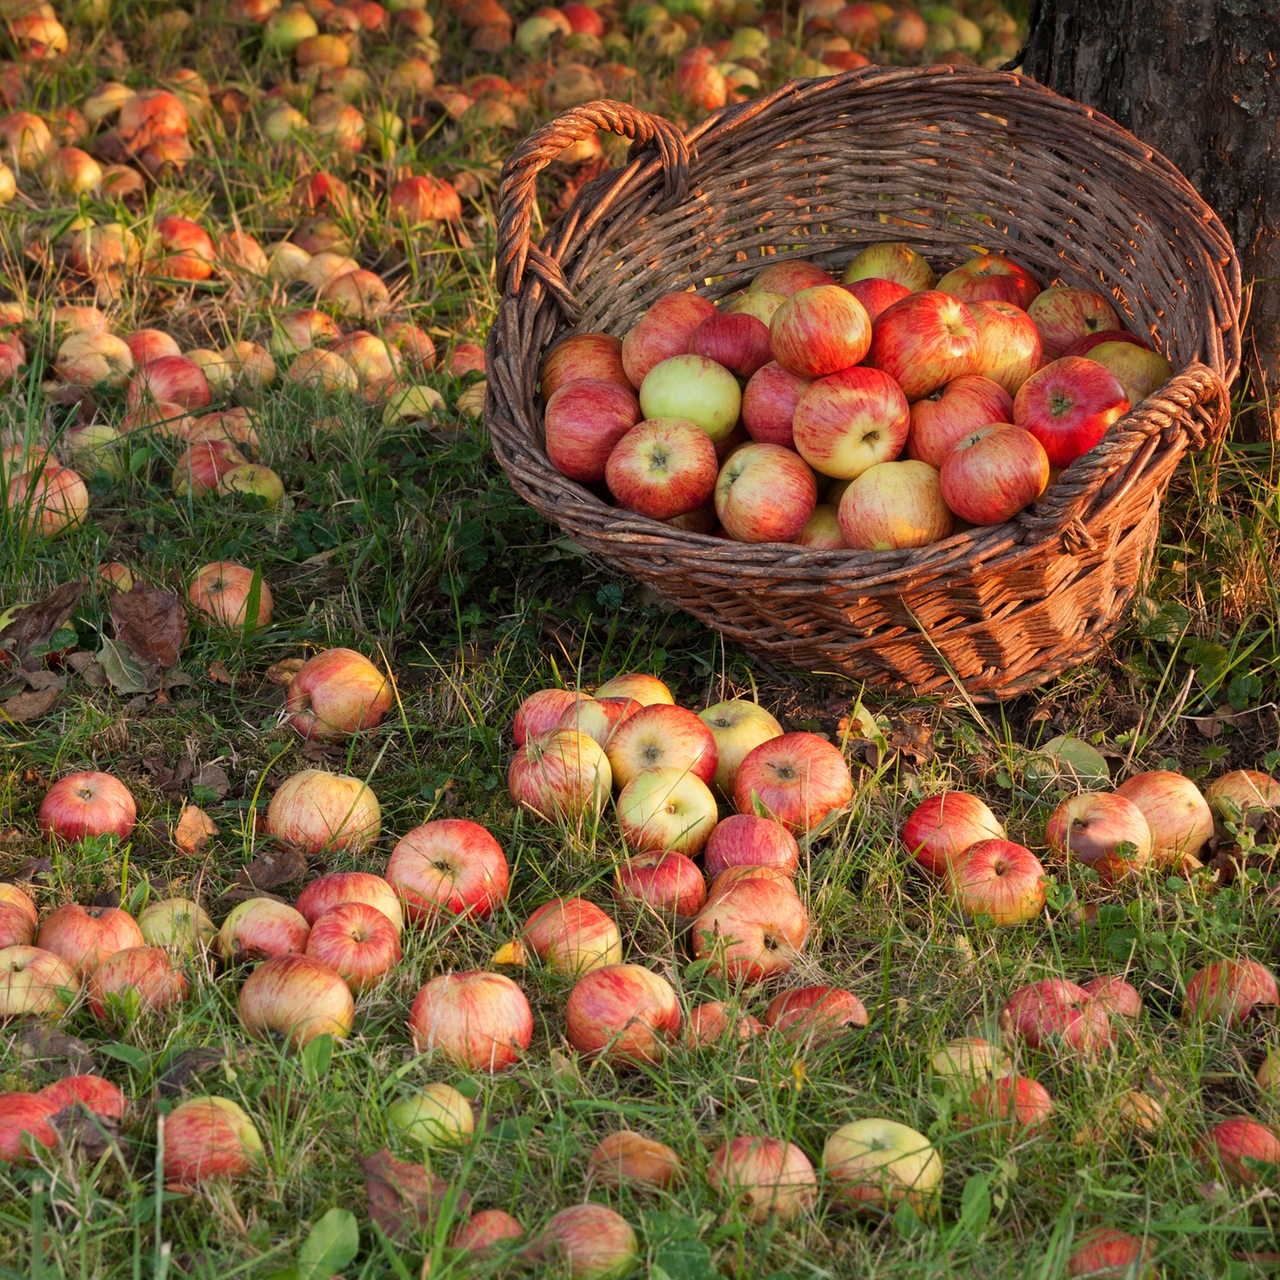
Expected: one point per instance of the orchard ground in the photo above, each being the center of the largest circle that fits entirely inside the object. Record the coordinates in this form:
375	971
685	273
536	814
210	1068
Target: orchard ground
399	536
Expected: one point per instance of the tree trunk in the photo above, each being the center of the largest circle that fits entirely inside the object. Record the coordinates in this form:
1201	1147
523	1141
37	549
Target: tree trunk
1198	81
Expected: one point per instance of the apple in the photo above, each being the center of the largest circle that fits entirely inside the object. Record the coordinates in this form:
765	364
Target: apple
206	1138
226	593
761	303
337	887
629	1159
947	415
35	982
146	345
1229	992
876	1163
764	1178
1179	816
849	420
738	341
623	1013
170	378
564	776
892	505
765	493
814	1016
358	942
449	865
727	878
751	931
336	693
876	294
663	331
924	341
999	881
434	1116
482	1230
1056	1014
572	936
94	359
661	736
585	1242
1245	1150
93	1093
186	249
47	501
993	473
666	807
748	839
85	936
1139	370
796	778
769	403
1109	1252
260	928
178	924
598	718
202	466
582	355
941	827
133	982
967	1060
477	1020
583	421
1013	1103
643	686
1104	831
662	467
788	277
664	880
84	804
1009	349
1115	995
990	276
18	917
714	1021
1243	797
1065	313
891	260
738	725
296	997
696	389
540	712
819	330
321	812
25	1125
1068	404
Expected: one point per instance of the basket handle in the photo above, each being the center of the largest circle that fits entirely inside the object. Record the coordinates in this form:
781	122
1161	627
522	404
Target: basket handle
517	193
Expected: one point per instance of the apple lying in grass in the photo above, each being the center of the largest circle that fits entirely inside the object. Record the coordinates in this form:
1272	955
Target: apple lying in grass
85	935
484	1229
92	1092
630	1159
48	500
134	983
623	1013
434	1116
714	1021
477	1020
968	1060
598	718
643	686
298	998
358	942
751	931
1108	1251
1245	1150
661	736
337	887
562	776
35	982
207	1138
317	811
1230	992
747	839
87	803
18	916
25	1126
590	1241
449	865
999	881
230	594
876	1163
663	880
1102	830
1014	1104
1243	797
941	827
764	1178
798	779
260	928
666	807
571	936
814	1015
1180	819
1056	1014
336	693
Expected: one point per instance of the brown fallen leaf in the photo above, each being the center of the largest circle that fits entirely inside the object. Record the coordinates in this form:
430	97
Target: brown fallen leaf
37	623
151	623
282	673
272	868
95	1135
404	1198
219	673
194	830
30	705
212	777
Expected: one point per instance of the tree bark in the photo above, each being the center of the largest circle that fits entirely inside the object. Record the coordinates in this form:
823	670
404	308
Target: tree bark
1198	81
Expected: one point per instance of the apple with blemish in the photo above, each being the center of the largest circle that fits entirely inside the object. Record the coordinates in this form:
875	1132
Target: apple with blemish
260	928
814	1015
449	867
1063	314
752	931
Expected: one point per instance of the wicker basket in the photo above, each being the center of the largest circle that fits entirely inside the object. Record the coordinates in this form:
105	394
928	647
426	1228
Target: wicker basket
970	161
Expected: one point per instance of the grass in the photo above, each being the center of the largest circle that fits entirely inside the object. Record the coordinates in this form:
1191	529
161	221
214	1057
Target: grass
408	543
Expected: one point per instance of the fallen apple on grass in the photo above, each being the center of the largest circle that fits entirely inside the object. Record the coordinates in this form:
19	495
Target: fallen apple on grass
207	1138
297	998
450	867
1054	1014
999	881
1179	816
135	983
229	594
814	1016
752	931
875	1164
562	776
1012	1104
85	935
764	1177
666	808
259	929
25	1126
623	1013
434	1116
35	982
665	881
713	1022
87	803
358	942
798	779
747	839
571	936
585	1242
630	1159
941	827
1104	831
1229	992
335	888
477	1020
321	812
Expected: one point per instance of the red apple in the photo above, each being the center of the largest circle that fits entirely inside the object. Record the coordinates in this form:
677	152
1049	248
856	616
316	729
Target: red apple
946	416
173	379
849	420
336	693
18	917
747	839
797	778
764	1178
1000	881
891	260
1068	404
357	942
92	1092
541	712
1229	992
583	421
1243	797
769	402
85	936
337	887
1179	816
736	340
479	1021
260	928
321	812
643	686
993	473
598	718
227	593
1106	1253
483	1229
892	505
1009	350
48	500
765	493
1065	313
582	355
876	294
86	804
662	467
714	1021
789	277
1115	995
35	982
571	936
207	1138
623	1013
751	931
814	1015
564	776
187	251
940	828
990	275
662	736
1013	1103
25	1125
924	341
1102	830
449	865
133	982
1056	1014
1247	1151
738	725
630	1159
666	807
296	997
585	1242
662	331
664	880
819	330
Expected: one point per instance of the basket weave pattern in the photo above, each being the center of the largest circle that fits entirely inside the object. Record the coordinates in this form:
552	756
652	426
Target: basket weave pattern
957	161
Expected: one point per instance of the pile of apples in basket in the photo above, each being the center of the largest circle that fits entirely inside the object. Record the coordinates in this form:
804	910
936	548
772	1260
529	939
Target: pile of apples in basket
886	409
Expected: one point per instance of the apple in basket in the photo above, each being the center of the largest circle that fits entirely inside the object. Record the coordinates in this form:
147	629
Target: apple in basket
944	417
876	293
990	276
849	420
663	331
694	388
1140	370
769	403
1068	406
1066	313
819	330
893	505
765	493
924	341
1009	349
582	355
892	260
993	473
663	467
583	420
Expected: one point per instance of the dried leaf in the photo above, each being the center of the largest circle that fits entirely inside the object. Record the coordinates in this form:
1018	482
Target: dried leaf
271	869
403	1198
52	1052
188	1067
22	708
282	673
213	778
151	623
95	1135
219	674
194	830
37	623
123	671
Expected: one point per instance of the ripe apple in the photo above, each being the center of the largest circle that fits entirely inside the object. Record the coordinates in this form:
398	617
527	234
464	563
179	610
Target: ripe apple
48	500
227	593
789	277
336	693
336	887
540	712
1243	797
738	341
696	389
849	420
1068	404
940	828
564	776
814	1015
662	331
18	917
1115	995
296	997
761	303
178	924
623	1013
321	812
582	355
260	928
1229	992
25	1125
818	330
1108	1251
765	493
891	260
1140	371
1056	1014
357	941
173	379
895	504
662	467
1009	349
630	1159
1013	1103
1000	881
1246	1151
751	931
479	1021
85	936
661	736
482	1230
967	1060
586	1241
796	778
876	294
944	417
990	275
35	982
449	865
714	1021
572	936
1180	819
769	402
434	1116
1065	313
643	686
91	1092
598	718
666	807
738	725
993	473
1102	830
924	341
764	1178
664	880
747	839
206	1138
876	1163
85	804
583	421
